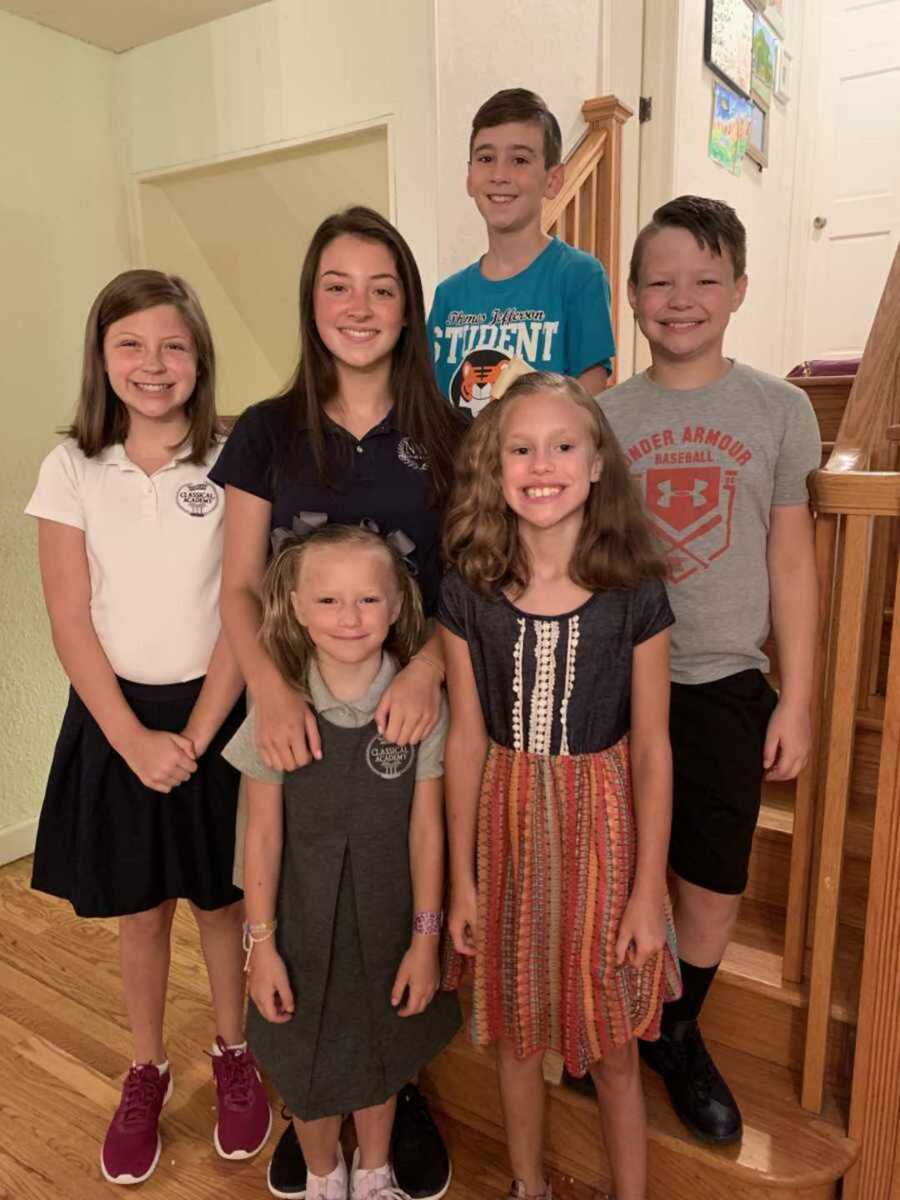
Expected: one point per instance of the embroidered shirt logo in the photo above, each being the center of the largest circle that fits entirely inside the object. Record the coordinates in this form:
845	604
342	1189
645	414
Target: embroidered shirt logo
197	499
386	759
412	455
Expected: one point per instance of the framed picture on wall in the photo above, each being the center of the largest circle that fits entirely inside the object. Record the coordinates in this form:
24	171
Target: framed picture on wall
777	16
766	55
728	42
758	141
785	73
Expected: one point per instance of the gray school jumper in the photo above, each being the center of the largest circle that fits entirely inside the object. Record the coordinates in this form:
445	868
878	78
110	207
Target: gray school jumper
345	919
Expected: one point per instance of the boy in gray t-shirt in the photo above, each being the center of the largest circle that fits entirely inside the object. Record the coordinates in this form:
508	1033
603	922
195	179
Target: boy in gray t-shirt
721	453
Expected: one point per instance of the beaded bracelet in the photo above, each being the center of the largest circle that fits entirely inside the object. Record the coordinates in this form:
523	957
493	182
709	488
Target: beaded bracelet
428	922
259	932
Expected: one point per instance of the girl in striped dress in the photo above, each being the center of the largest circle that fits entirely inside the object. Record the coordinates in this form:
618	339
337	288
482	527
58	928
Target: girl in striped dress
558	770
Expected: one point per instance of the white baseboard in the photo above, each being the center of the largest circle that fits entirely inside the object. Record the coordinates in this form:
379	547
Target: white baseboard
17	840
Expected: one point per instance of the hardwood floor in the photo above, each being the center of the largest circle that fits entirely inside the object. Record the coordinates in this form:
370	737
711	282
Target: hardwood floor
64	1048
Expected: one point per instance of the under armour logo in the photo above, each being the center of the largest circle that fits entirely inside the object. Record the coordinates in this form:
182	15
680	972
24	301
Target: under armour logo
667	492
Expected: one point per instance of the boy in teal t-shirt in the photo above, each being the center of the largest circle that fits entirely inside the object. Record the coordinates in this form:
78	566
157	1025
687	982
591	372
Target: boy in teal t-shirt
530	296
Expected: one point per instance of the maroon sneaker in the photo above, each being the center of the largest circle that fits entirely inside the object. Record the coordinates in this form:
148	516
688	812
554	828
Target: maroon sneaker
132	1143
245	1118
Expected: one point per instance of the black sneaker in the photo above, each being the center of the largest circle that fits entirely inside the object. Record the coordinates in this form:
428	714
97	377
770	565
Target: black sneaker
700	1096
286	1174
418	1154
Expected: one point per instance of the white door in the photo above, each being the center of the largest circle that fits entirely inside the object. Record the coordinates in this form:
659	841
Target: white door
854	225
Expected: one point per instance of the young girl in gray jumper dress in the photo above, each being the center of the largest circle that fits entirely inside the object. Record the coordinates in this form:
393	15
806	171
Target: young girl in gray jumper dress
344	862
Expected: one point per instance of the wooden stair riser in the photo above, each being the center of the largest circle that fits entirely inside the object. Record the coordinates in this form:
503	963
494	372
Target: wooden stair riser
772	1028
463	1085
770	865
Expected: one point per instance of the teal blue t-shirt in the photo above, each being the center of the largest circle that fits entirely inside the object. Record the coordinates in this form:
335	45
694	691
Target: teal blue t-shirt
554	315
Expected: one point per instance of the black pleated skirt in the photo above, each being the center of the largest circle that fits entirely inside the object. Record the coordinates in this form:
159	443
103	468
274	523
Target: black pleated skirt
111	846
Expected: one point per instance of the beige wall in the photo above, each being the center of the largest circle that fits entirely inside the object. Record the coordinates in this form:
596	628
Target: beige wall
763	199
238	231
552	49
288	71
63	234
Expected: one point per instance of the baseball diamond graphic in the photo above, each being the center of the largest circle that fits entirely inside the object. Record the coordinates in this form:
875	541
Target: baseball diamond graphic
692	509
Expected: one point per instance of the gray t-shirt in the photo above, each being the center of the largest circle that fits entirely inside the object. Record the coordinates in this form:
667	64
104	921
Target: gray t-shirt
242	753
711	463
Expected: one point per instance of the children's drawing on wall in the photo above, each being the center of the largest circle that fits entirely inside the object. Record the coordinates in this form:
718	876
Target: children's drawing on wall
728	42
730	128
766	51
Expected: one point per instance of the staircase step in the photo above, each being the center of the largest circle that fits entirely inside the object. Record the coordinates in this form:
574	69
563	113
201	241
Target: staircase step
752	1010
785	1153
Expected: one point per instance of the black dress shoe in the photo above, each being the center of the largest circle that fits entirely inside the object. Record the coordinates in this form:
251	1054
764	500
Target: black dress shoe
700	1096
286	1174
418	1154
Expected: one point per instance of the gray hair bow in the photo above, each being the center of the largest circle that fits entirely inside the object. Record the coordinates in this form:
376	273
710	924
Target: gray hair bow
306	523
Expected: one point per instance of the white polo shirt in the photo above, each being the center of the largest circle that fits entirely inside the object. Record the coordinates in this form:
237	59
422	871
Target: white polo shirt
154	550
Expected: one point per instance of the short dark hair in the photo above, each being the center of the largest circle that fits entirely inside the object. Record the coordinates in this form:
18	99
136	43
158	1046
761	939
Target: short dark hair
712	222
518	104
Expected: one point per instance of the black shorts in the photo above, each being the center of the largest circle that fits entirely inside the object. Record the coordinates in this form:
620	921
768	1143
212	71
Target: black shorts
718	733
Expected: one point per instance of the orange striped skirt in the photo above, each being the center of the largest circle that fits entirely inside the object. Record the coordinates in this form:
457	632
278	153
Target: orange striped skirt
557	846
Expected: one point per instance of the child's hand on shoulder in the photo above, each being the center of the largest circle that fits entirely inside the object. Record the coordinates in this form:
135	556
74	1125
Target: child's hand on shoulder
418	976
788	741
269	984
409	709
160	760
462	917
642	932
287	735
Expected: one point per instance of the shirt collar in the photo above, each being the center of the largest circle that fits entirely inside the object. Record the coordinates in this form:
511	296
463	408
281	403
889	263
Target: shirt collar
364	706
114	456
387	425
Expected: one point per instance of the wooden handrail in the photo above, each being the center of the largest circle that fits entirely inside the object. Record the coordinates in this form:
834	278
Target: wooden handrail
874	401
586	213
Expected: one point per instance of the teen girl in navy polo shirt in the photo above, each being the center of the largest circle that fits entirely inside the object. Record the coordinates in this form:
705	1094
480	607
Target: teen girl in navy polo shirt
360	434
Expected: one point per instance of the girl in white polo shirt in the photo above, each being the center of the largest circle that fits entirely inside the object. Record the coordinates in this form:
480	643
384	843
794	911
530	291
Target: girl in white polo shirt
140	805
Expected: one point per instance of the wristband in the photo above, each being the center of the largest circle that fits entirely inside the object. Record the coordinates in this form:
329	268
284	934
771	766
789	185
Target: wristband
428	922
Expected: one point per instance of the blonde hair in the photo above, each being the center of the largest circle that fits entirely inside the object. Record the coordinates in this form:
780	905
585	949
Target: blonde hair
287	642
615	547
101	419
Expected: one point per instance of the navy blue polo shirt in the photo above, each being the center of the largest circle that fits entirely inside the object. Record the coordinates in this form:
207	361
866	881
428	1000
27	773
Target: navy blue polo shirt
382	476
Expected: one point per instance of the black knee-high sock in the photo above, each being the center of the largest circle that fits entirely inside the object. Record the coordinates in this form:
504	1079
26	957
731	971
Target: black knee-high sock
695	984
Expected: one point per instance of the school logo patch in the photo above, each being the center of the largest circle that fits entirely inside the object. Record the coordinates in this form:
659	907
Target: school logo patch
472	386
692	509
387	760
412	455
197	499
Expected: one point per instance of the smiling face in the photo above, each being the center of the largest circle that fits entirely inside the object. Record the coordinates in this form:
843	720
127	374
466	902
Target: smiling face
685	296
151	362
358	302
347	598
548	459
507	178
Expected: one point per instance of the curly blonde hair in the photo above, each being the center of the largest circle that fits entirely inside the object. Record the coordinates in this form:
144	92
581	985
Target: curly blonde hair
616	547
286	640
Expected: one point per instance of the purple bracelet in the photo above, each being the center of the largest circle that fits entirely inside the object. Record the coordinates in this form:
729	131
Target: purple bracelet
428	922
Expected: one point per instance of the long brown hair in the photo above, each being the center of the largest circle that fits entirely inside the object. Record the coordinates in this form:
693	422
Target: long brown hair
421	412
615	547
286	640
101	419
